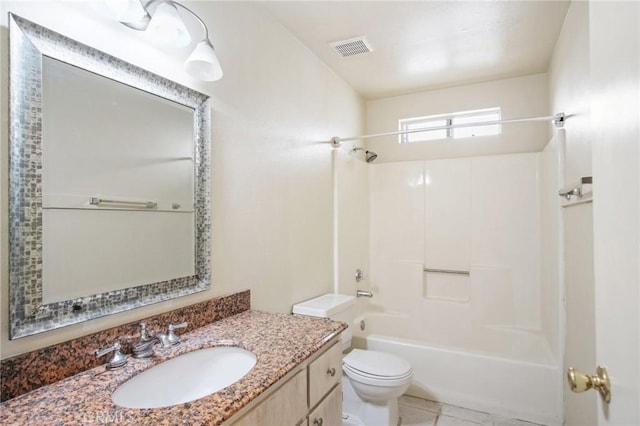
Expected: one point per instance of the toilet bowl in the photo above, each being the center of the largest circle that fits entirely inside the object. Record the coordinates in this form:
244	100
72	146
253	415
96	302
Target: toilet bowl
372	380
377	376
377	379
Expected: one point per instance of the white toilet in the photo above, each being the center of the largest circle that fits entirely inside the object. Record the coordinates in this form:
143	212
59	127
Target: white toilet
372	380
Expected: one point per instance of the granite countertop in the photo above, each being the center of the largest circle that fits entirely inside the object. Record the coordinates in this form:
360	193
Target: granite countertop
280	342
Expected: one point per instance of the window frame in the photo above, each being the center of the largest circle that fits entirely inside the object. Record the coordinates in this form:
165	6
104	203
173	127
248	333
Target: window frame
449	118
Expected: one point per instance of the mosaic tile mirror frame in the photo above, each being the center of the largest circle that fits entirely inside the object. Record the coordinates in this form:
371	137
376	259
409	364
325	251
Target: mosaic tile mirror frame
29	44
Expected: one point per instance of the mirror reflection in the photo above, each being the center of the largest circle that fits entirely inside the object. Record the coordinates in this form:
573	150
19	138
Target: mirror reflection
109	191
142	153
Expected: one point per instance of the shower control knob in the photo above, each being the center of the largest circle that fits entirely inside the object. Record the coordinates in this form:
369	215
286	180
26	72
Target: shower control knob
331	372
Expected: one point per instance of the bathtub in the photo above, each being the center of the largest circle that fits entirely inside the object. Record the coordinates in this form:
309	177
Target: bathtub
502	371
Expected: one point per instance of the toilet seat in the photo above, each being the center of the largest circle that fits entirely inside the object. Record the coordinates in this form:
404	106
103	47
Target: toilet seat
387	382
376	368
376	363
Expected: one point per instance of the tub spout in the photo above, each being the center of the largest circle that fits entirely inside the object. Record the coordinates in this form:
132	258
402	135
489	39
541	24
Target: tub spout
362	293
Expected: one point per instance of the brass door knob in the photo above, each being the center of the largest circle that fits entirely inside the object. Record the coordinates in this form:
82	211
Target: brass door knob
580	382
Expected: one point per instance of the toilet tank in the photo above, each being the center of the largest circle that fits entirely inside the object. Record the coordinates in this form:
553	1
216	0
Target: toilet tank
339	307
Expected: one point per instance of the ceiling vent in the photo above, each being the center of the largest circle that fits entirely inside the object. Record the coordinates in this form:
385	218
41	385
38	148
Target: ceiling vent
352	46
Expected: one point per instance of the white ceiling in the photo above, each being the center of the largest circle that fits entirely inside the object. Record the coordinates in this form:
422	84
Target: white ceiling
423	45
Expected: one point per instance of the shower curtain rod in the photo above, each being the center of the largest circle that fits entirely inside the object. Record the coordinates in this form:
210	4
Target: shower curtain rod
558	121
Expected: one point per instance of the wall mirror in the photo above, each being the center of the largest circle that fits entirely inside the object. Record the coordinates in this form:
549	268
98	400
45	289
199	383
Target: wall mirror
109	184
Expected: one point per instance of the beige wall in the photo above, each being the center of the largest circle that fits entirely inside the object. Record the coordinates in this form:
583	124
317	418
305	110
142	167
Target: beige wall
271	175
520	97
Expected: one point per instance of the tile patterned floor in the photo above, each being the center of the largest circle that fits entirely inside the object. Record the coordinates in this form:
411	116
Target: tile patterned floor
420	412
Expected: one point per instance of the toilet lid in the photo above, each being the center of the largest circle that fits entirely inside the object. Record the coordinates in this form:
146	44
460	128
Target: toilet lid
376	363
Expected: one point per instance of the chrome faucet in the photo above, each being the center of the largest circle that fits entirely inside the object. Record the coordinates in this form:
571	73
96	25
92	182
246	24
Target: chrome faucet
117	360
143	348
363	293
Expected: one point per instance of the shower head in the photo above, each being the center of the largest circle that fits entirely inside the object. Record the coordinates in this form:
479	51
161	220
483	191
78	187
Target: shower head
369	156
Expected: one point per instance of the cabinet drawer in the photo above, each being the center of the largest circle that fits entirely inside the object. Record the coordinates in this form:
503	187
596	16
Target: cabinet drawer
286	407
329	412
324	373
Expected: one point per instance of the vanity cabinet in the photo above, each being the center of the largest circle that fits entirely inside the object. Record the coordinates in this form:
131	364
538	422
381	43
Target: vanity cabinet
312	396
286	406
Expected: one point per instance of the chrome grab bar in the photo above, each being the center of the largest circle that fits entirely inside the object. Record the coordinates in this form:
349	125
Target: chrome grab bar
95	201
446	271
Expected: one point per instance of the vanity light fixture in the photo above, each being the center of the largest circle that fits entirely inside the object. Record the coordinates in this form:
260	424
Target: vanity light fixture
166	28
161	19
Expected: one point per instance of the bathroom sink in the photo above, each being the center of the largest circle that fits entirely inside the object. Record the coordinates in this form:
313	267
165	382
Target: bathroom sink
185	378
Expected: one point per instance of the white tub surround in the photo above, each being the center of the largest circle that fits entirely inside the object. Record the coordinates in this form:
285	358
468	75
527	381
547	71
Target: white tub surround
456	265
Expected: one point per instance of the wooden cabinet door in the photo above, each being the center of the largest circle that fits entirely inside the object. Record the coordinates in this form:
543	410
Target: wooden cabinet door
329	412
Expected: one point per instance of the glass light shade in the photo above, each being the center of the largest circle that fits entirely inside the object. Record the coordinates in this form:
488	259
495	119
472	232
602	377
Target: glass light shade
120	10
167	28
203	63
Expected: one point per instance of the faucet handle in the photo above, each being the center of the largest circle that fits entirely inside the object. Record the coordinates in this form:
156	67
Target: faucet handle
179	325
143	331
172	338
117	360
